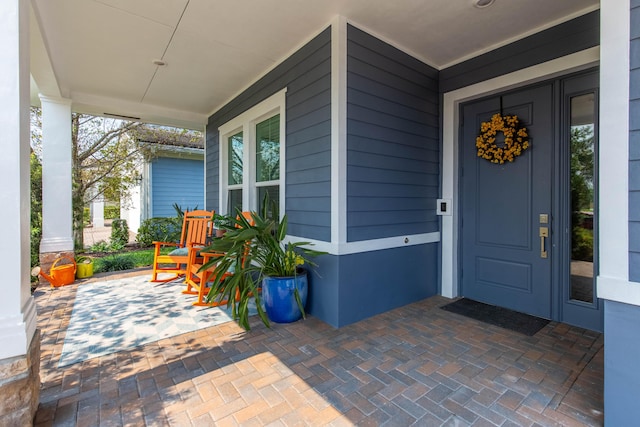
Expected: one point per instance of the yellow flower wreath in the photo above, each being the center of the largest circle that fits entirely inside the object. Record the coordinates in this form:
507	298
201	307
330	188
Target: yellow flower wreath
515	141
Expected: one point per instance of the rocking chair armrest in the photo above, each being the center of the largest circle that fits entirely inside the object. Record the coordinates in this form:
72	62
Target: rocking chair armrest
166	244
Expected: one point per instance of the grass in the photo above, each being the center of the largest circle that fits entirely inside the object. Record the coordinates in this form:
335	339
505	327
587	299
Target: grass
131	259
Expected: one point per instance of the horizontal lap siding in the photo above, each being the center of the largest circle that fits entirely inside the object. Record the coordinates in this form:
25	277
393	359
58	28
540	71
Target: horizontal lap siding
307	76
634	147
179	181
212	167
393	152
569	37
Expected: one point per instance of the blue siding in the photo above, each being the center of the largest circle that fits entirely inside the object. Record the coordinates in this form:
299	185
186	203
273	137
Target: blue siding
622	352
634	146
178	181
307	77
409	275
569	37
393	151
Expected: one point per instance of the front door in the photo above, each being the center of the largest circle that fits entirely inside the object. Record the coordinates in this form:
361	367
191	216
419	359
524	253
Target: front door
528	228
505	207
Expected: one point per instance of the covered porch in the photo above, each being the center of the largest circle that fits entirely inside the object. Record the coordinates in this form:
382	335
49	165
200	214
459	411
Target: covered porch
368	103
415	365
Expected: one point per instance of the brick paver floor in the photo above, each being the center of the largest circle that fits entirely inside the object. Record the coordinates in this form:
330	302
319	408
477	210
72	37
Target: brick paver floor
416	365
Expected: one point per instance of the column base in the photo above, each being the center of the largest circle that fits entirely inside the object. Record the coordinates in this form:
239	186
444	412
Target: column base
47	259
20	386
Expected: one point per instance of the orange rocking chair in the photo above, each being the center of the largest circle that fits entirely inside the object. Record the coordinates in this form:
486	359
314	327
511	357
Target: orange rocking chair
197	279
197	229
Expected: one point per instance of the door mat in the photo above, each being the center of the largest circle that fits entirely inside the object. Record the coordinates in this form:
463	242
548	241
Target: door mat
497	316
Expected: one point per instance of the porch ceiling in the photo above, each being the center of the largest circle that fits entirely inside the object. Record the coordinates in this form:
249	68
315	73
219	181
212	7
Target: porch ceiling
100	53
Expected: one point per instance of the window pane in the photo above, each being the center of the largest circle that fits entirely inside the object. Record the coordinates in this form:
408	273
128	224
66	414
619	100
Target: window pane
274	198
582	200
268	149
235	159
235	201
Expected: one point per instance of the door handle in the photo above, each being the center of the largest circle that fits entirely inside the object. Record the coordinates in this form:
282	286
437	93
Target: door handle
544	233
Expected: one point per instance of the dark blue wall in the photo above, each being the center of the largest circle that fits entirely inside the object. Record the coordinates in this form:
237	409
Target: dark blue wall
307	76
178	181
393	152
622	353
634	146
371	283
564	39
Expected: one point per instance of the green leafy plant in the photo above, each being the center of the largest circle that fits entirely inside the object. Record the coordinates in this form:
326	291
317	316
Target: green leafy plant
159	230
222	222
119	232
180	212
111	212
582	245
254	248
100	246
116	263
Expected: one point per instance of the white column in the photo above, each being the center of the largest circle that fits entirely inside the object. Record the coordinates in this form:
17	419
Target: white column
57	228
613	162
17	309
131	210
97	212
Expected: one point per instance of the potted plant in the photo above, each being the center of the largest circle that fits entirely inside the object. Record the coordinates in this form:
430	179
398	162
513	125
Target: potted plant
84	267
222	223
258	265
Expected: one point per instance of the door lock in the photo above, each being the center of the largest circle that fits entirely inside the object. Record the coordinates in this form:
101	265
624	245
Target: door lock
544	233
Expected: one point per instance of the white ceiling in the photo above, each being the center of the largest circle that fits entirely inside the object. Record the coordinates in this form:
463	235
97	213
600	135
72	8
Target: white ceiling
100	53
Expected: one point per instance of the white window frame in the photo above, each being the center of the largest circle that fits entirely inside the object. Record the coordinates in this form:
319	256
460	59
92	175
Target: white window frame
246	122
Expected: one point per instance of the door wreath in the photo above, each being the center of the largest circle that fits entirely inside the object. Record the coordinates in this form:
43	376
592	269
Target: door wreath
515	139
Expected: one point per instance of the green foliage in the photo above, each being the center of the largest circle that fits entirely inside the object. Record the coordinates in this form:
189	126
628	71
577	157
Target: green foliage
36	208
180	212
582	244
86	216
222	222
159	230
100	246
111	212
140	258
119	232
582	167
115	263
253	249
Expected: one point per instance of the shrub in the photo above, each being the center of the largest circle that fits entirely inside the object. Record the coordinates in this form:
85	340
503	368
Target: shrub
160	230
119	232
582	245
100	246
111	212
115	263
86	216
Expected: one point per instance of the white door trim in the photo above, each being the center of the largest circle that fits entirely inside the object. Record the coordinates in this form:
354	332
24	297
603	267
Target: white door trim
451	103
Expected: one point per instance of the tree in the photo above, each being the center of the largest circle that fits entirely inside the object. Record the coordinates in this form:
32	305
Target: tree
104	163
106	156
36	208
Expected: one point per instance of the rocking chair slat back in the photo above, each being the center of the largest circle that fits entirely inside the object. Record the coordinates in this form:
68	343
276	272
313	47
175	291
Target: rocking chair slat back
197	228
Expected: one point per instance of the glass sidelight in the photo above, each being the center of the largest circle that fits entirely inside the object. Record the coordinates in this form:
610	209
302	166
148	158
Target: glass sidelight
582	172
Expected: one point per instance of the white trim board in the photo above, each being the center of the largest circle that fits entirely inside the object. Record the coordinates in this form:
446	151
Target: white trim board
616	289
368	245
339	131
451	104
246	122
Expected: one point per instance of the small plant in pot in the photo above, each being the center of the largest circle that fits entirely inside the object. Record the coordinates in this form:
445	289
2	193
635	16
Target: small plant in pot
258	265
222	223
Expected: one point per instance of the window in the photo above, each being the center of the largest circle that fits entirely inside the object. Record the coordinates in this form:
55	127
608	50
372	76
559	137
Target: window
251	157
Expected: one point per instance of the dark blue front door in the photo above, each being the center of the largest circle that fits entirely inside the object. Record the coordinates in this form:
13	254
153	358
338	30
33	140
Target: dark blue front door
505	206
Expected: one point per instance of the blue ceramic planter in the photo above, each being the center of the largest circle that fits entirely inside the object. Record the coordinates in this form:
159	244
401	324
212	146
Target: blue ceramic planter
279	299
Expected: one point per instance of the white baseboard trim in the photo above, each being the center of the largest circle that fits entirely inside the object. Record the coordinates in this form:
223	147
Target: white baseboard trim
619	290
